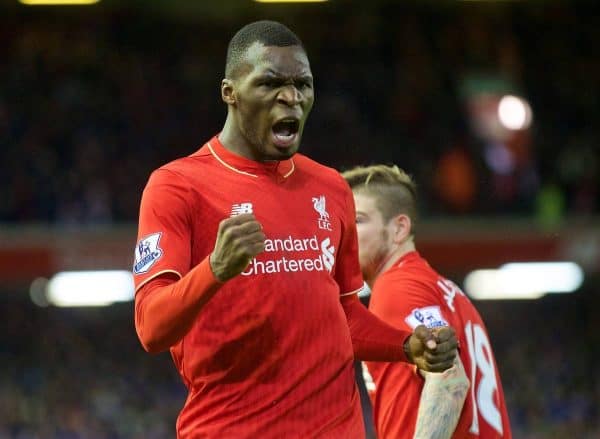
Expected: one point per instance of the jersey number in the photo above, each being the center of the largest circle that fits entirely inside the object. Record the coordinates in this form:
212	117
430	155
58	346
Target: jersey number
480	354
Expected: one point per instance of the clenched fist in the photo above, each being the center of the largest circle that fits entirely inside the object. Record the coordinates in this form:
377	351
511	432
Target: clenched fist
432	350
239	239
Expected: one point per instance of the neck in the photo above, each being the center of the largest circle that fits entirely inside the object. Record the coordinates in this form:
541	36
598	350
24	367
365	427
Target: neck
233	140
391	258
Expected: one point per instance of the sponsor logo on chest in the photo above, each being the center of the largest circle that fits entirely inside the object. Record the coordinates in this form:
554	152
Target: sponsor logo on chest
322	259
294	252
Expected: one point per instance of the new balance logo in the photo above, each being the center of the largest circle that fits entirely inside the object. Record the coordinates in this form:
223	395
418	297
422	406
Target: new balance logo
240	208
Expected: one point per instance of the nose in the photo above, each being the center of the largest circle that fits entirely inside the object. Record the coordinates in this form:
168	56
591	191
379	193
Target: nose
289	95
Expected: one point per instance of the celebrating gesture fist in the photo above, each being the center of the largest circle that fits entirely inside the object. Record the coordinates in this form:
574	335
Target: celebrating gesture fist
239	239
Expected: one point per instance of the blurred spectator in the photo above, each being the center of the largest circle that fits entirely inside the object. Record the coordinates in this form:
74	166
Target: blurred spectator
63	377
456	180
64	374
89	104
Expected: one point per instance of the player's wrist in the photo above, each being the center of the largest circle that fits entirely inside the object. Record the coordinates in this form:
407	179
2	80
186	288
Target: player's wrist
406	348
219	276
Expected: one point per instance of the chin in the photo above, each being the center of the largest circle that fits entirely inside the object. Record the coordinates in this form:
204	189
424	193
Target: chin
277	153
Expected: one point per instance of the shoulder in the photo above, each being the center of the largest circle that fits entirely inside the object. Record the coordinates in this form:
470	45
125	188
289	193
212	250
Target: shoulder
324	178
188	165
411	275
178	172
412	290
310	167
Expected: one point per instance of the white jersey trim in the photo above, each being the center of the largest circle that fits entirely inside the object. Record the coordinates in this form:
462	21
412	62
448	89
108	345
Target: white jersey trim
228	166
291	170
352	292
156	275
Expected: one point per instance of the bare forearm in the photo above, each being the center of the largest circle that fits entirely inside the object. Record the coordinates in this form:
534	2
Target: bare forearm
165	309
441	403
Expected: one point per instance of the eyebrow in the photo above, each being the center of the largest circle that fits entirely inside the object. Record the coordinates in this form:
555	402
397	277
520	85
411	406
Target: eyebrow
273	73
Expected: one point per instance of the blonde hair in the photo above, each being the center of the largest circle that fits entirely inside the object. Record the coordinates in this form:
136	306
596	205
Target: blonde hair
394	190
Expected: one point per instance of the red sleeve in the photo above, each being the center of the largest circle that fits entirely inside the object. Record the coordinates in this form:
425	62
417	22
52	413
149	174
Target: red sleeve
168	295
165	308
406	302
372	339
164	232
347	271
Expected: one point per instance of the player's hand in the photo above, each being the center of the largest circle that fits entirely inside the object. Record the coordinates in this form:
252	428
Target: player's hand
432	350
239	239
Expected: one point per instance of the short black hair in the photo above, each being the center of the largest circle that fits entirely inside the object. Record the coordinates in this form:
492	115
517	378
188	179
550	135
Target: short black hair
269	33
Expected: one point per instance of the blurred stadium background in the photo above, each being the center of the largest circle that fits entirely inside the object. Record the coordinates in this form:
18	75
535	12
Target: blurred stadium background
493	106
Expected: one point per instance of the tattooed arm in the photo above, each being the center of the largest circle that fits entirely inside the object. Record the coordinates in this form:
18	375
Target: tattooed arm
441	402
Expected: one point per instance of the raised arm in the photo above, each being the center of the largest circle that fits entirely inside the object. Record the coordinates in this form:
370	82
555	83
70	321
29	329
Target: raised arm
170	292
165	308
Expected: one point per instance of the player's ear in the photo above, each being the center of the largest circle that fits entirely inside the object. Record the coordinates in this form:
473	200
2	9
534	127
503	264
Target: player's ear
227	91
402	228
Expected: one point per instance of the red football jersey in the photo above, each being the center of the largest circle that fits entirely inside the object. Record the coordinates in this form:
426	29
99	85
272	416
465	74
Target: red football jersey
409	294
270	354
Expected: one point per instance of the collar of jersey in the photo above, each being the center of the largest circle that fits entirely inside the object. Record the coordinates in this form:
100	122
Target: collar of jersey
407	257
244	166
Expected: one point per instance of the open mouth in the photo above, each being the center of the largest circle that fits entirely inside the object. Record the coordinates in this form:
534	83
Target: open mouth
285	131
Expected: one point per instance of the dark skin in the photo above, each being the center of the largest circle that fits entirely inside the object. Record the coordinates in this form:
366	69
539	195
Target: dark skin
432	350
274	84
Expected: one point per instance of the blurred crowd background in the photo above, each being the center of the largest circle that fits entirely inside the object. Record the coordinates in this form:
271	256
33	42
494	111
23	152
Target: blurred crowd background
96	101
81	373
92	100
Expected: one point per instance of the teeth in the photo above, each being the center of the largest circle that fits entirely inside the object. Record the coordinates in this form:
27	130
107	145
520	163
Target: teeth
285	138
